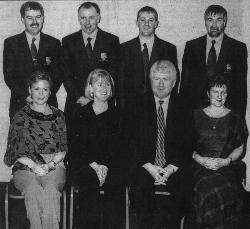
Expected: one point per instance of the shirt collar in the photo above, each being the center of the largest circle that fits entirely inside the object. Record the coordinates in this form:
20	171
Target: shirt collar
166	99
217	39
30	37
148	41
92	35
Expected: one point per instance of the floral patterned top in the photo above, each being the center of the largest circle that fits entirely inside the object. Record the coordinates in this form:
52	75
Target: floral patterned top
33	134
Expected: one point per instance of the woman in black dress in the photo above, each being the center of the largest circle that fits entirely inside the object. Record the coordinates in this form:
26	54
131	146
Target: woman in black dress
220	138
95	159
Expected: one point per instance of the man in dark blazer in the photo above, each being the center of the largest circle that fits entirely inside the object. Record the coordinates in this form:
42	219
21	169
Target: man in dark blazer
84	51
230	61
138	55
29	51
160	153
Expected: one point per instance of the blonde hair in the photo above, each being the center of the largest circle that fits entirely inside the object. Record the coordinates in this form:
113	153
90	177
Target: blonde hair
96	75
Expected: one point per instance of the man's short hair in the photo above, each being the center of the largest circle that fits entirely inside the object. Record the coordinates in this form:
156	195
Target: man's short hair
31	6
163	66
148	9
88	5
215	9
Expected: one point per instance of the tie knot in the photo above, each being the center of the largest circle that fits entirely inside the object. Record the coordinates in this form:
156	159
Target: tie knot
213	42
33	39
161	102
145	45
89	39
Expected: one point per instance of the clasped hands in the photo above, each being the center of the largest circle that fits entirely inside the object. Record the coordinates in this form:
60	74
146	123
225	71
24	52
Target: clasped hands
215	163
211	162
160	174
101	171
42	169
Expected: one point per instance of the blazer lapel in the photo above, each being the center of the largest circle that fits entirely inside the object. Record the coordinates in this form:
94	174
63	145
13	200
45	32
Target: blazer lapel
201	47
225	48
25	50
97	47
155	51
43	47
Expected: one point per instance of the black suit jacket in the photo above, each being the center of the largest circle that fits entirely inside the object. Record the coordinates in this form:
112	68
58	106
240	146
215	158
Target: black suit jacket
131	75
143	131
232	63
77	66
18	66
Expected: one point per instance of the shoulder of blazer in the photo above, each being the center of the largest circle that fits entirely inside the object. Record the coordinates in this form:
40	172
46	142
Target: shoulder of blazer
107	35
49	38
72	37
15	38
233	41
131	43
161	42
196	41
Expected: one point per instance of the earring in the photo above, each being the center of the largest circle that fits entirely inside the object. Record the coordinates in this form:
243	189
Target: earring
91	94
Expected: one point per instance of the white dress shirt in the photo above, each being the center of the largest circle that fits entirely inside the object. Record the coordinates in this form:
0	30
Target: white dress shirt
29	39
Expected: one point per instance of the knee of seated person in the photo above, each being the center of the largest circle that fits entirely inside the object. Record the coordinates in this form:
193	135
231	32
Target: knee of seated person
32	189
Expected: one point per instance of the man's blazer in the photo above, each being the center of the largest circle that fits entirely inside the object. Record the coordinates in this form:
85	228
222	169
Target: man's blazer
143	131
77	65
18	66
232	63
131	75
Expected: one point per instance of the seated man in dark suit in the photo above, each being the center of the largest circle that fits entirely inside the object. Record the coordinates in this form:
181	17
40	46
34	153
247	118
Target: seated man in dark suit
158	125
27	52
138	55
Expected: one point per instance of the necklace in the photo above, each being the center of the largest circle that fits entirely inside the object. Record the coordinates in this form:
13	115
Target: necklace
214	122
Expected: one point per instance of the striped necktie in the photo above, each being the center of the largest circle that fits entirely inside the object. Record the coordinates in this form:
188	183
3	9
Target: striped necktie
160	143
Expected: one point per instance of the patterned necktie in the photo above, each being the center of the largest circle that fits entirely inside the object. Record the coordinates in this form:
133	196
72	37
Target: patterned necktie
33	50
89	48
211	61
160	143
145	57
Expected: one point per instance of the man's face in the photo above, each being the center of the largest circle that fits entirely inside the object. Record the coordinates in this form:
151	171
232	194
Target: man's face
33	21
162	83
147	24
88	19
215	24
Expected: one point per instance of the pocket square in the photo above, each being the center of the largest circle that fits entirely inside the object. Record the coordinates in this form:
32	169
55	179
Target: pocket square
48	60
228	68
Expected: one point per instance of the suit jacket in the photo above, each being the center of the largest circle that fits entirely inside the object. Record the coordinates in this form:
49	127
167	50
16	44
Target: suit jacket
77	65
232	63
143	131
131	76
18	66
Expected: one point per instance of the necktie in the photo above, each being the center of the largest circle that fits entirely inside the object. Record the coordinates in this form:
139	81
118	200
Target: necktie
89	48
211	61
33	50
145	57
160	143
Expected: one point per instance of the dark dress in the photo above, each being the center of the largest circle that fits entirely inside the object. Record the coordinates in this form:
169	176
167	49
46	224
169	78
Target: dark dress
97	139
217	193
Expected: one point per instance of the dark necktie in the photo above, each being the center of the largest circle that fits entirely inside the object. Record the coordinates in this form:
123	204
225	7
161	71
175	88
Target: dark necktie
33	50
89	48
160	143
211	61
145	57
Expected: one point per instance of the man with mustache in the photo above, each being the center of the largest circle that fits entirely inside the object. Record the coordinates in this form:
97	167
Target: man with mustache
28	51
215	54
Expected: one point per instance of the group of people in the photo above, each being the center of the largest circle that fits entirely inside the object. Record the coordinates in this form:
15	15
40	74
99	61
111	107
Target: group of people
130	120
